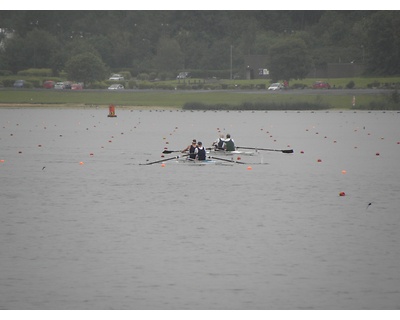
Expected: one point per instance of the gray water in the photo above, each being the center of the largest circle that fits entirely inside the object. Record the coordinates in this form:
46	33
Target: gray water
84	226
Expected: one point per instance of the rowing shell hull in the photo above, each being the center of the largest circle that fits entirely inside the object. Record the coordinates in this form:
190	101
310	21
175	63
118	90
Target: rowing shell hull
202	162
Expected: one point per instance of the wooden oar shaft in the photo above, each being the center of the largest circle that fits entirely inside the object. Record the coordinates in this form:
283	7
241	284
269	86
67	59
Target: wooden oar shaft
222	159
158	161
252	148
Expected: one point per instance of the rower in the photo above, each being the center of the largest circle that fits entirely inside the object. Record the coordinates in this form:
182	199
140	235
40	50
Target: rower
219	143
191	148
229	143
200	152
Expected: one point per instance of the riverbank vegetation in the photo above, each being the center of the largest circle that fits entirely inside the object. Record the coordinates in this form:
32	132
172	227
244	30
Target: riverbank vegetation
206	99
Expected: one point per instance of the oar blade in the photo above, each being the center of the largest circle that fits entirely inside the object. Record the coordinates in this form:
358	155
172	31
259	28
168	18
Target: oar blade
287	151
169	151
158	161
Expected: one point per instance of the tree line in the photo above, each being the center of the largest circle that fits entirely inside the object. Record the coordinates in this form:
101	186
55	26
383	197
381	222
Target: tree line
166	42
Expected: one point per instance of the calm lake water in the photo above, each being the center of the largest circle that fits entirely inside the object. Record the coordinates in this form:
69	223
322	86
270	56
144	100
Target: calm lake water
84	226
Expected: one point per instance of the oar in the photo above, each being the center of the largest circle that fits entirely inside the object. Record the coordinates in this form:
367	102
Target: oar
283	151
162	160
170	151
222	159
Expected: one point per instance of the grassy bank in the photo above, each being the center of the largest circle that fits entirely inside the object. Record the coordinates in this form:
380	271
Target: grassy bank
228	98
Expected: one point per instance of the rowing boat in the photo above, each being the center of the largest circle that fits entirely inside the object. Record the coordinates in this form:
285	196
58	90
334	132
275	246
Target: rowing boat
195	162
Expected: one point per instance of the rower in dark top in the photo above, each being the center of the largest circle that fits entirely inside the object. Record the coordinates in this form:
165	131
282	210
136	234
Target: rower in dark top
200	152
219	143
191	148
229	143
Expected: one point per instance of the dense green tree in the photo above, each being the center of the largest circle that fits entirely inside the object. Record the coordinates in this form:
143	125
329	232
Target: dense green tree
383	43
16	55
289	59
169	55
130	39
41	45
86	67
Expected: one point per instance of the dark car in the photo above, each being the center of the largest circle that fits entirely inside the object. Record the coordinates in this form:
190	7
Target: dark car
67	84
321	85
19	83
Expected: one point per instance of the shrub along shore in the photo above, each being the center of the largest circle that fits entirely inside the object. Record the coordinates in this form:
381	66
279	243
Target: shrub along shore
203	100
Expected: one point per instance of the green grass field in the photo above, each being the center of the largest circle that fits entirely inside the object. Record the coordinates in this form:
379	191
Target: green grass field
176	99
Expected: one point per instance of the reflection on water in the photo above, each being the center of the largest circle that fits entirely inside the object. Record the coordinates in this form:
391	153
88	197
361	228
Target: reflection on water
84	226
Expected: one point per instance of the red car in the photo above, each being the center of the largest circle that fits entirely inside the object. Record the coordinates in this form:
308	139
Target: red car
321	85
48	84
76	86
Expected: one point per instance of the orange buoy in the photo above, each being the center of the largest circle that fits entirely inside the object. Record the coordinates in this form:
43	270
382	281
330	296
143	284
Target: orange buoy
111	111
344	171
81	163
163	165
342	193
249	168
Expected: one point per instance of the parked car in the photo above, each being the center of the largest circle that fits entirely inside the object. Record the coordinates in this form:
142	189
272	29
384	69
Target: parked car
275	86
116	77
183	75
77	86
19	83
49	84
59	85
116	87
321	85
67	84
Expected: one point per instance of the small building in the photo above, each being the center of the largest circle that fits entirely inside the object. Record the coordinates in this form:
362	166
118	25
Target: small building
256	67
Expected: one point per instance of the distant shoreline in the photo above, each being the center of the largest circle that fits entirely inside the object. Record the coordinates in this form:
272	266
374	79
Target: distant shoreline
82	106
